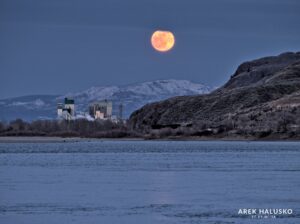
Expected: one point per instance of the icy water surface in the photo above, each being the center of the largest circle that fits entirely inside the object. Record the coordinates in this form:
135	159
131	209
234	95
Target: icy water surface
140	182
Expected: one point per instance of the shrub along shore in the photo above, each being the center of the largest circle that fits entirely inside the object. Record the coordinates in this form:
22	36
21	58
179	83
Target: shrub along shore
105	129
61	128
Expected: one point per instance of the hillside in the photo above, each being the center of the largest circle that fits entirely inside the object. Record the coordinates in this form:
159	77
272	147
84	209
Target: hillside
262	98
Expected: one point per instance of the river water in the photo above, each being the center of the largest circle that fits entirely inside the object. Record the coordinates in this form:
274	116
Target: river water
140	182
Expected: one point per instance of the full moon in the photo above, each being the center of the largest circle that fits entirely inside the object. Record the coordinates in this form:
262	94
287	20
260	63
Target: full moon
162	40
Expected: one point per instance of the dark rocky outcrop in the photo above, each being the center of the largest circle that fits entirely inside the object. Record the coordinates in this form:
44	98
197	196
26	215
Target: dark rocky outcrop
261	98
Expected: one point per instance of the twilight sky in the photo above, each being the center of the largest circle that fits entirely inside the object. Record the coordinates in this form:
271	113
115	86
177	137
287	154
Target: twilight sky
60	46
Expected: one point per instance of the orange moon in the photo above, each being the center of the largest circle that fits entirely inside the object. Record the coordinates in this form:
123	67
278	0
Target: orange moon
162	40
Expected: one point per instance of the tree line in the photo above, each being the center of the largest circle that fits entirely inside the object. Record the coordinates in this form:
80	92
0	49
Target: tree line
63	128
256	123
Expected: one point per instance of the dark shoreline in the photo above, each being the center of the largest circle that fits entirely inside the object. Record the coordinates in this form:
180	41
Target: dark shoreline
43	139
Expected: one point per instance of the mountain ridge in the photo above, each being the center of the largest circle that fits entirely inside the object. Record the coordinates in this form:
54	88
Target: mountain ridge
132	96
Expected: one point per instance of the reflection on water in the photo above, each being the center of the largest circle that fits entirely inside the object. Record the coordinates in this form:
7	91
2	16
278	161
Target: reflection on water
147	181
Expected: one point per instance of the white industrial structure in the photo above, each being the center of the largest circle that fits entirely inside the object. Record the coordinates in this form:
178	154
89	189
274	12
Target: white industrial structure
101	110
98	110
66	111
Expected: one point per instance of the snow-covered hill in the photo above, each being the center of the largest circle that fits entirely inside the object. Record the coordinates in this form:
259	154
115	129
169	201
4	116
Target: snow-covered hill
131	96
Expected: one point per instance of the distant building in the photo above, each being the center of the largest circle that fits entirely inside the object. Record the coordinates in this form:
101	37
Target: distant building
70	106
101	110
66	111
60	108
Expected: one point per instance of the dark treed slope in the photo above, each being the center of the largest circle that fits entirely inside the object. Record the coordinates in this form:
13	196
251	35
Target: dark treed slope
261	98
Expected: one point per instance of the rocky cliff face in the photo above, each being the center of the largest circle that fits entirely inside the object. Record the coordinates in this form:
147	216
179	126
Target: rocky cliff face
261	98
